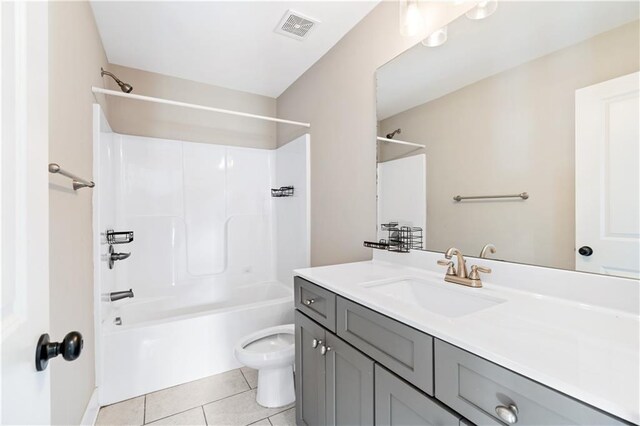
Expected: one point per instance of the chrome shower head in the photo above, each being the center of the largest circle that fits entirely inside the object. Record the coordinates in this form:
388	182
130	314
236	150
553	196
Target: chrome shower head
392	134
125	87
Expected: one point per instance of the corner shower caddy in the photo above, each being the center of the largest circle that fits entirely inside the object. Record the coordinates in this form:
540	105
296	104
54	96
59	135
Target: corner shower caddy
401	239
283	191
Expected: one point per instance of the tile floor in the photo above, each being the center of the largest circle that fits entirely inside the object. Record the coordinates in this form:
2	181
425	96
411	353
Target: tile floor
227	399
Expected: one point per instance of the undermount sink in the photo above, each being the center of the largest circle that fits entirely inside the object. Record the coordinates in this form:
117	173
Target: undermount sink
438	298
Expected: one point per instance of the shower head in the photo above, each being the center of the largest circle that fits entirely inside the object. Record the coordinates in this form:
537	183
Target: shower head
125	87
392	134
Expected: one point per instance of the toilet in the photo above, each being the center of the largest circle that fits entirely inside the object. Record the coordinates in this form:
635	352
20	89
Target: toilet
271	351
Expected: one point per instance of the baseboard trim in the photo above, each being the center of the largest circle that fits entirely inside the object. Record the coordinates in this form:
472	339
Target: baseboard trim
91	412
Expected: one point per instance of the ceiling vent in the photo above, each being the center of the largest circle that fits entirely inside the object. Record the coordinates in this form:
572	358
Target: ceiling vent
296	25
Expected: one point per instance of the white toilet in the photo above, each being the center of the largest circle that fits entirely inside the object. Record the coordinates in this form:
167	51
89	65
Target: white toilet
271	351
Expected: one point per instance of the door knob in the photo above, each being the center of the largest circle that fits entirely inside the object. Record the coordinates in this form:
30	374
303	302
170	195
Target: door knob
585	251
70	348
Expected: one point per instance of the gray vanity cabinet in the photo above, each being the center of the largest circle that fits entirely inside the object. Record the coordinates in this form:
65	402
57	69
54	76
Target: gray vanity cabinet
310	372
377	370
349	384
334	381
398	403
488	394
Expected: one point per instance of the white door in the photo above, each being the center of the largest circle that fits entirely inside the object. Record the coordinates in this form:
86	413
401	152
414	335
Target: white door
608	177
24	217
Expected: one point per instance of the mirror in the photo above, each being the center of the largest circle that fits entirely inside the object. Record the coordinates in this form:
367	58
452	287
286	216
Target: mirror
520	131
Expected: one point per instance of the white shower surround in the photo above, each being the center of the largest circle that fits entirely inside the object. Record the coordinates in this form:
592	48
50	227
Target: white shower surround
212	256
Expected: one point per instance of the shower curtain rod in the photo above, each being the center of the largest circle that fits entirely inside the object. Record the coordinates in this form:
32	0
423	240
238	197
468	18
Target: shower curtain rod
194	106
380	138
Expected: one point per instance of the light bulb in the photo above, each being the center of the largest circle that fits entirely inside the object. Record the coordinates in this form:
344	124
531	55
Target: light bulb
483	10
436	38
411	20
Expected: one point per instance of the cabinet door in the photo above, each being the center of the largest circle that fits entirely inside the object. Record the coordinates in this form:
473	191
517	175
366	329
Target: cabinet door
398	403
310	372
349	384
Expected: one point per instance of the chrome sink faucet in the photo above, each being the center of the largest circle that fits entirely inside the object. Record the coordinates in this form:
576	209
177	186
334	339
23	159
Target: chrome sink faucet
459	274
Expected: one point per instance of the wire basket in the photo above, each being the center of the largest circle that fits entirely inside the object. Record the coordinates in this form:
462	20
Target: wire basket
283	191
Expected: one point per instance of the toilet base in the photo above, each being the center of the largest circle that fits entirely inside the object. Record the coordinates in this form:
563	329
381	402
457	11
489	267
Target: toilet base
275	387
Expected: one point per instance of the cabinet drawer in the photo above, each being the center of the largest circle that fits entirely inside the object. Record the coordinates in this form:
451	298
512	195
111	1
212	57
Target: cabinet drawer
400	348
316	302
398	403
475	388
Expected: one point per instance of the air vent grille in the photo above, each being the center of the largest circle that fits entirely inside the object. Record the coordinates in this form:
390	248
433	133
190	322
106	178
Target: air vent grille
295	25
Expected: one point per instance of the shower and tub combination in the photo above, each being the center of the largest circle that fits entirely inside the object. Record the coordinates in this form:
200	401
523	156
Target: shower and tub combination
212	250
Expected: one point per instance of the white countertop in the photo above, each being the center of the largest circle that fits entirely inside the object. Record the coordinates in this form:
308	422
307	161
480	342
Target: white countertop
588	352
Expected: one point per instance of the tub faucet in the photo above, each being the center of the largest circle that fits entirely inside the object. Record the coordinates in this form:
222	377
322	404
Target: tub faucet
460	275
118	295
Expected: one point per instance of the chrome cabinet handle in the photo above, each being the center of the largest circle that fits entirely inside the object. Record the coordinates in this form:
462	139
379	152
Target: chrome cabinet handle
309	301
508	414
324	349
315	343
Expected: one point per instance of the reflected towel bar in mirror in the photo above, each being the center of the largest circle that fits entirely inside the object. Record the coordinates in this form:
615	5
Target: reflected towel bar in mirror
522	195
78	182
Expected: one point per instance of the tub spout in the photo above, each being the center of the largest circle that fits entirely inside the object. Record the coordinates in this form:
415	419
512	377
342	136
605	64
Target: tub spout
117	295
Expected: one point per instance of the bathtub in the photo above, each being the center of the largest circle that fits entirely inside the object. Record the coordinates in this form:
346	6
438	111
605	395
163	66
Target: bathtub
153	343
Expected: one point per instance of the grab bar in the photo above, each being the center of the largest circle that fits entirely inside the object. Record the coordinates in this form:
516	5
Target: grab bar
78	182
522	195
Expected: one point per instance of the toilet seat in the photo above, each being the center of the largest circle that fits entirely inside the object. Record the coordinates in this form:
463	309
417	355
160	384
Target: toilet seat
271	347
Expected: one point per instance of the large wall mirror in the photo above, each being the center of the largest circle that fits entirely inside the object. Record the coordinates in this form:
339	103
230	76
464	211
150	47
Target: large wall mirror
519	130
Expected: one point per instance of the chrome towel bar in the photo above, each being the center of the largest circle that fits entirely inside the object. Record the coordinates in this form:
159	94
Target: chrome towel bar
78	182
522	195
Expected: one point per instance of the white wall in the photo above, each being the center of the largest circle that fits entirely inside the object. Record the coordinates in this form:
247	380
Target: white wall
292	213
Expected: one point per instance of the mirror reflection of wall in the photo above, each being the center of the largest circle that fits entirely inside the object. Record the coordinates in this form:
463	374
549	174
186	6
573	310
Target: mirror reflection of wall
495	108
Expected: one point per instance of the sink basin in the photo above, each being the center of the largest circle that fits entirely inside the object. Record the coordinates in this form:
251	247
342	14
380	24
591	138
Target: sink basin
437	297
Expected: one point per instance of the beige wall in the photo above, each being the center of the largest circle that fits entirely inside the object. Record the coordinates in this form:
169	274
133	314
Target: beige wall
509	133
337	96
75	58
168	122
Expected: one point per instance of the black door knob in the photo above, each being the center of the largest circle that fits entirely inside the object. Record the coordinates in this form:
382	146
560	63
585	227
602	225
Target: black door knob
70	348
585	251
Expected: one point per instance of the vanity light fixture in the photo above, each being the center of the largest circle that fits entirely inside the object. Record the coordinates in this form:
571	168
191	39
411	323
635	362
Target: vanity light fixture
484	9
436	38
411	19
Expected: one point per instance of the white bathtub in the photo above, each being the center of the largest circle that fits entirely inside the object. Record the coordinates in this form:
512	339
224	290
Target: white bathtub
169	340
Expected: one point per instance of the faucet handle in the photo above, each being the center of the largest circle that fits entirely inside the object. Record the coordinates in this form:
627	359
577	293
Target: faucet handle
451	270
474	275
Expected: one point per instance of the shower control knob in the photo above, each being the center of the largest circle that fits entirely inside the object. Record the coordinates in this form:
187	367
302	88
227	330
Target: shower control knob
70	349
585	251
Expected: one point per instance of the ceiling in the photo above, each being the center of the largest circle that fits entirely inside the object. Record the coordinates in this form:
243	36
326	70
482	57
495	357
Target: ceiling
516	33
230	44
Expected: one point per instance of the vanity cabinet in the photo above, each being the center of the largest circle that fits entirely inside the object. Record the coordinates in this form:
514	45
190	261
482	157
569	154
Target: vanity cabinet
402	349
491	395
398	403
334	381
413	378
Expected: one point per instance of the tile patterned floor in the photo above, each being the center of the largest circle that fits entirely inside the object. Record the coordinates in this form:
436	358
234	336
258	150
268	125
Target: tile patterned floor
227	399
